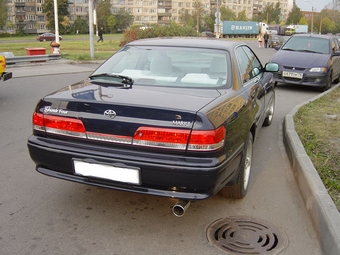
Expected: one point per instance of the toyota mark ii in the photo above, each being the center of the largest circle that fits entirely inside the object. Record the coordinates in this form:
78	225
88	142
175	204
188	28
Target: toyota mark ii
173	117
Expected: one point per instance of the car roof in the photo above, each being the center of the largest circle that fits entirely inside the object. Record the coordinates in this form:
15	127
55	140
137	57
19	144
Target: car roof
314	36
196	42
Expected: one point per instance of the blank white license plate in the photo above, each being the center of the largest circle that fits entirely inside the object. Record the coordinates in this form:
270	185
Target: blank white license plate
119	174
292	75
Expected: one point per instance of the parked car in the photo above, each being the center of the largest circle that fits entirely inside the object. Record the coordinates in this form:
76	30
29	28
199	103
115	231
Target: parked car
207	34
47	37
4	76
275	41
169	117
309	59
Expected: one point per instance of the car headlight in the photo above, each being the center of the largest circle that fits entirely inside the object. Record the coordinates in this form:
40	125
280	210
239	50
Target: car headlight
318	69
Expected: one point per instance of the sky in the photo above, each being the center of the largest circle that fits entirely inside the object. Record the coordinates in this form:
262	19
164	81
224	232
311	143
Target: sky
307	6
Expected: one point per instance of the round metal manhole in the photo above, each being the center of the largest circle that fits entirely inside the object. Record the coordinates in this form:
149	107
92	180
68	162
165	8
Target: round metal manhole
242	235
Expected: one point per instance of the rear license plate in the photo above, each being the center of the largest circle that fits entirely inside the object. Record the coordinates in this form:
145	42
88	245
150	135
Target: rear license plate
292	75
108	172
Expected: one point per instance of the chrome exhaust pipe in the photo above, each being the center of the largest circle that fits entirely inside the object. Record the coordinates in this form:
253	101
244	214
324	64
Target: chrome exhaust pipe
180	208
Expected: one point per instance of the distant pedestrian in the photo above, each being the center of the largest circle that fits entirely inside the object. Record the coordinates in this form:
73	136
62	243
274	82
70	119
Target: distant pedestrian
260	40
266	37
100	34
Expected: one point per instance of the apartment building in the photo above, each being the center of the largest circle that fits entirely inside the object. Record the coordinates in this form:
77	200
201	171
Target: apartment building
27	15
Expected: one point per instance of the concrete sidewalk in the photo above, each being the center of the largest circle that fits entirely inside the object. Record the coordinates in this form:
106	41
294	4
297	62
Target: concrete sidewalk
320	206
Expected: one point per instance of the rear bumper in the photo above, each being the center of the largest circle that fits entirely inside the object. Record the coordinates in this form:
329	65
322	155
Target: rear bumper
161	175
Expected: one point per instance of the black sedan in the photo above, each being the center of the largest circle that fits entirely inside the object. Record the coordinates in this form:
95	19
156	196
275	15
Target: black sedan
47	37
309	59
167	117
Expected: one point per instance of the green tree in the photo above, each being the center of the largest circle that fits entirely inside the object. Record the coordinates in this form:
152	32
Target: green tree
65	23
294	16
198	13
123	20
271	13
81	24
3	13
48	9
208	22
111	23
186	19
227	14
103	11
242	16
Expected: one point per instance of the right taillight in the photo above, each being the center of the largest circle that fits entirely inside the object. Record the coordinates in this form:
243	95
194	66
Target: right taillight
180	139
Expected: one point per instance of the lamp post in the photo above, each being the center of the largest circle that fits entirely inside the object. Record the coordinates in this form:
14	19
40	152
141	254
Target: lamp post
312	15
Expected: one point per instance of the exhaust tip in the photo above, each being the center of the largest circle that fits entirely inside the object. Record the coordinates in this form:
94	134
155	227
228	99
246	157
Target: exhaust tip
180	208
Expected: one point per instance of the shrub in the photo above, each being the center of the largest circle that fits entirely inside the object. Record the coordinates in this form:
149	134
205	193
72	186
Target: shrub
152	31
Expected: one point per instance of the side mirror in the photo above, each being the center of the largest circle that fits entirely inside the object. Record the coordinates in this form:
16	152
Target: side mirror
271	67
336	54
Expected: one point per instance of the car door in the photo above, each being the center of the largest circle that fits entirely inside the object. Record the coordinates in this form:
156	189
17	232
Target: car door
335	59
252	75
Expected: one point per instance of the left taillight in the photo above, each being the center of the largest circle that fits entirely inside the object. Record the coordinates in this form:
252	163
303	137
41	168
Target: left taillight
59	125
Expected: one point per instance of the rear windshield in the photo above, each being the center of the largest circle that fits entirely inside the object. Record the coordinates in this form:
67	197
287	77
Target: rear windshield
171	66
304	43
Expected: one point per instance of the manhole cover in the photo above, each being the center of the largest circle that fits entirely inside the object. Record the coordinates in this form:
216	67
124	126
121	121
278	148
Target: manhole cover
241	235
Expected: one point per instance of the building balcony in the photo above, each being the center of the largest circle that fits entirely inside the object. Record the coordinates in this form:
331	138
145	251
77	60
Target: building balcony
19	4
164	14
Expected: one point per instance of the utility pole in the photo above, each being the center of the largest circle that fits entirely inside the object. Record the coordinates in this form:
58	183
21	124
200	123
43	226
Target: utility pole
56	21
91	28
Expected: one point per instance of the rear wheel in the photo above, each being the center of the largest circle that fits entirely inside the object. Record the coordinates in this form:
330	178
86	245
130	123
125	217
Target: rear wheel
239	190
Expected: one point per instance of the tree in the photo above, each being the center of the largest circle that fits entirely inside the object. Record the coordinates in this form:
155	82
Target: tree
65	24
186	19
294	16
227	14
111	23
208	22
82	25
3	13
48	9
242	16
103	10
198	12
123	20
271	13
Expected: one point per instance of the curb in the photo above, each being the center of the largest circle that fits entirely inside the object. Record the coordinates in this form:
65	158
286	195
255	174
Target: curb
320	207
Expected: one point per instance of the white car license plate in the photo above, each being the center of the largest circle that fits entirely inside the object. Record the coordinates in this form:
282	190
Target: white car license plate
292	75
120	174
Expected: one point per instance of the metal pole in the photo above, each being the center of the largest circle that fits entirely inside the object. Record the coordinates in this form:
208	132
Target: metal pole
91	29
56	25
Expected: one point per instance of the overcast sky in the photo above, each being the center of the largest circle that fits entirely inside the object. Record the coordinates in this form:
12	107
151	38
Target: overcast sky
307	6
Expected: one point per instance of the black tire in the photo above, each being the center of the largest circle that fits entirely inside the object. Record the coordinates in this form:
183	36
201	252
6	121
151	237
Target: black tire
270	114
240	189
328	85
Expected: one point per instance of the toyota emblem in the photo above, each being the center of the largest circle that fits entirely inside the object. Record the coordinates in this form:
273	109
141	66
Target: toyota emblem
110	114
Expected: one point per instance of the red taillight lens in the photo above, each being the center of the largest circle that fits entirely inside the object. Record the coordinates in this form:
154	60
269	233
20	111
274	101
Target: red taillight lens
197	140
67	124
207	140
161	137
58	125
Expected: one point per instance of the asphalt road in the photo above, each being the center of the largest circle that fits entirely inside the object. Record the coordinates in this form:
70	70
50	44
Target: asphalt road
43	215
